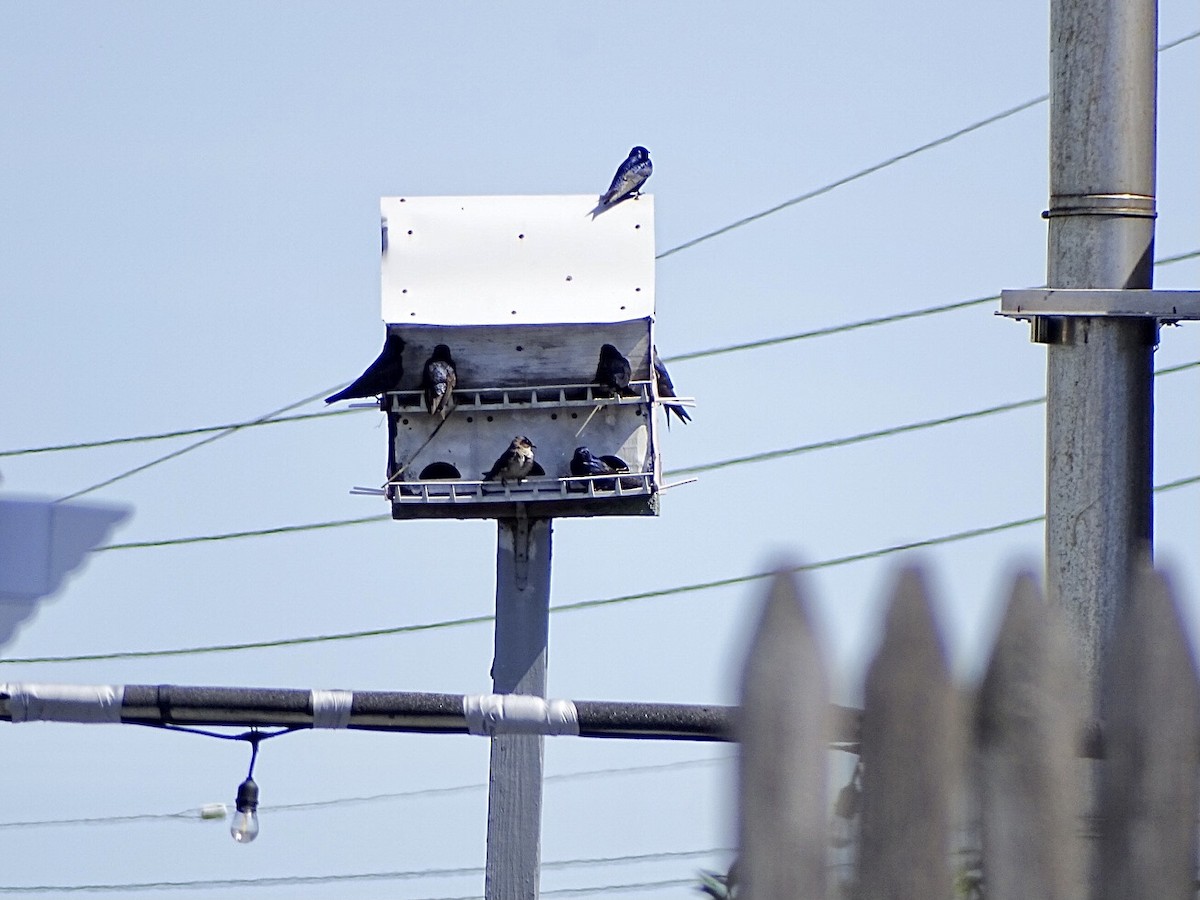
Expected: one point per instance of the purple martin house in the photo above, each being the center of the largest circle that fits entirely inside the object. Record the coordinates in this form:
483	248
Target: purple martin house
524	291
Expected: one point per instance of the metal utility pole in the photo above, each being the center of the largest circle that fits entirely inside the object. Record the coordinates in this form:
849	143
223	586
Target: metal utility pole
519	667
1099	419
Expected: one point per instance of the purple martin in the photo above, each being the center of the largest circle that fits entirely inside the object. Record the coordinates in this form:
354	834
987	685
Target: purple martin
667	389
630	177
515	462
438	381
585	463
381	376
613	371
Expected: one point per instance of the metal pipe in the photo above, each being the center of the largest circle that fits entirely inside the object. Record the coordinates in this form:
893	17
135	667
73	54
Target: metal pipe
1099	420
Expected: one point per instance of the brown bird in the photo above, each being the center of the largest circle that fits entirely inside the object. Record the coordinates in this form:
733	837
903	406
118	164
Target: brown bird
516	462
438	381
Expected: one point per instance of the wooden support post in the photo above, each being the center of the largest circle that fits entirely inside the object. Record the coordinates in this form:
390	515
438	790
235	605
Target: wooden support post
519	667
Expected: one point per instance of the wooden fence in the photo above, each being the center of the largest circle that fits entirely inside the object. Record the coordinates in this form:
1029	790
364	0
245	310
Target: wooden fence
1006	763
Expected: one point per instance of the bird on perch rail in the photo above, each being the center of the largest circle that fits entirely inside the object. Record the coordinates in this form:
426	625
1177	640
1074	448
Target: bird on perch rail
613	371
666	388
381	376
584	462
438	381
516	462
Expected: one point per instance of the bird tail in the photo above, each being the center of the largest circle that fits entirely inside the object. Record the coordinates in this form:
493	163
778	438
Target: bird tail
340	395
679	411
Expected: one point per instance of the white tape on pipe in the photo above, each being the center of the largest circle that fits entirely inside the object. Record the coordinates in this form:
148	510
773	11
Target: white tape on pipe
64	702
331	709
492	714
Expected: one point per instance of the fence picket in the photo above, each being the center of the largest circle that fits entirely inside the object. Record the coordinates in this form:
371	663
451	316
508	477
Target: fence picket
1027	714
1148	792
910	753
783	731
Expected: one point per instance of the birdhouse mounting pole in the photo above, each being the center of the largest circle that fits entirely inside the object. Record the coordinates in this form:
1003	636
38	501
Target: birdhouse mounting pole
519	667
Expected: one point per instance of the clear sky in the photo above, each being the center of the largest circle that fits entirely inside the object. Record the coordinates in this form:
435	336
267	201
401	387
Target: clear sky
189	237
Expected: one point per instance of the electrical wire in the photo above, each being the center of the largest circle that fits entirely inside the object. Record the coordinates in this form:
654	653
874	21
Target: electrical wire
409	875
194	446
191	815
829	444
861	173
890	161
235	535
681	357
887	432
187	432
833	562
872	322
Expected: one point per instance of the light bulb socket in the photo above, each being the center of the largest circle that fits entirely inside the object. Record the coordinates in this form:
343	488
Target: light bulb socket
247	796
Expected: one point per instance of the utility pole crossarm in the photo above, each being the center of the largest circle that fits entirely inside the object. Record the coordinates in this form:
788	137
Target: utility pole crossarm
1166	306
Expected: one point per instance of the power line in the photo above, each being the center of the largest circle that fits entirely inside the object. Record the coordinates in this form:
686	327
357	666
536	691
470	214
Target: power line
187	432
565	607
834	329
872	322
830	563
1178	41
681	357
190	447
890	161
193	815
409	875
858	438
235	535
861	173
887	432
832	443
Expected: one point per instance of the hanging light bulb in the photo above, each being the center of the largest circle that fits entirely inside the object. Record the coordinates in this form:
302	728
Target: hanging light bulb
244	826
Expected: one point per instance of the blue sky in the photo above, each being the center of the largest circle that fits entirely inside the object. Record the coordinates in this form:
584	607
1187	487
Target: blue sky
190	238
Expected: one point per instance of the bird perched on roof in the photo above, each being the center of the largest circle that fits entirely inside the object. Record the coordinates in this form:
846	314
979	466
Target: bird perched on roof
667	389
585	463
515	462
438	380
630	177
613	371
382	375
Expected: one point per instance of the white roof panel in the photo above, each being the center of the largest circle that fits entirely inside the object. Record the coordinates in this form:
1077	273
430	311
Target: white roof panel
516	260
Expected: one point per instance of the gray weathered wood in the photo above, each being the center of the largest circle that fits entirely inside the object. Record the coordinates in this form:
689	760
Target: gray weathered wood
911	749
515	785
783	728
1148	792
1028	710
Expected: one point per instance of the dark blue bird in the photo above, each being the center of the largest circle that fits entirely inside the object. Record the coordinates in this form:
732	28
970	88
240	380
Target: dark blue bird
667	389
382	375
613	371
630	177
438	381
584	462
